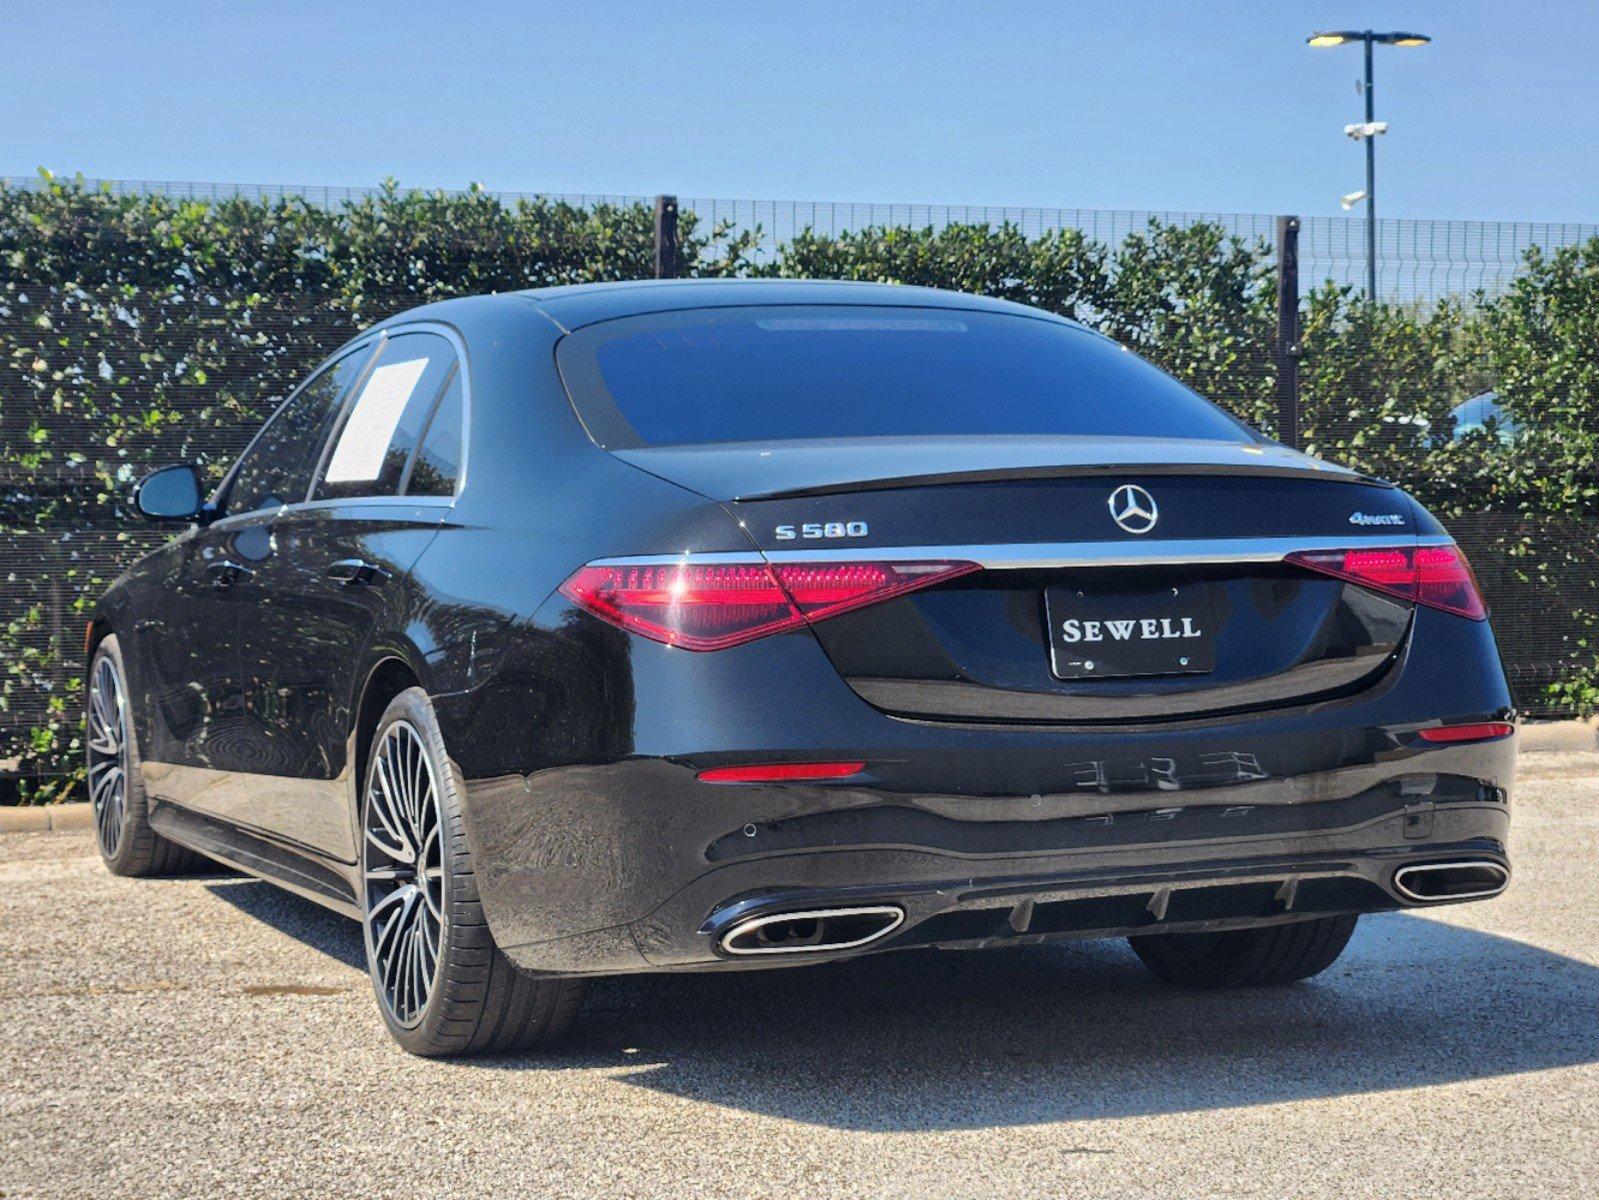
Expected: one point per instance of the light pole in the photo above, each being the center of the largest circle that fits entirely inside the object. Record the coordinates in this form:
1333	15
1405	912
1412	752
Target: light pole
1368	132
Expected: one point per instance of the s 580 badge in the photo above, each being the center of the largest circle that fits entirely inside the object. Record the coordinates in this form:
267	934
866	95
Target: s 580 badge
827	529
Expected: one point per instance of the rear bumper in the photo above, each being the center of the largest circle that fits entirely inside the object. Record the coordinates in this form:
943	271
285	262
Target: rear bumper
598	850
638	866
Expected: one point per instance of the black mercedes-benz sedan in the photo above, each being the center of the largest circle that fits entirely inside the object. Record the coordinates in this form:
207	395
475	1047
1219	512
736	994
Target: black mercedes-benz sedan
719	625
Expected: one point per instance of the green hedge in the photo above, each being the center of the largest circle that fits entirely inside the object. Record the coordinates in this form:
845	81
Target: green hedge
138	329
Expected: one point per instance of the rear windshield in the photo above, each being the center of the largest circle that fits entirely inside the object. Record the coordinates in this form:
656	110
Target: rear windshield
775	373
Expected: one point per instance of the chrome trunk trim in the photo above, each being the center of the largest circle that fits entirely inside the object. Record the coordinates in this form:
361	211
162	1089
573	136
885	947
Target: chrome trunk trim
1036	555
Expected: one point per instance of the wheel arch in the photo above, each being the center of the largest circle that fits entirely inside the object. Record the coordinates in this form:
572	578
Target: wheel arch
390	675
95	632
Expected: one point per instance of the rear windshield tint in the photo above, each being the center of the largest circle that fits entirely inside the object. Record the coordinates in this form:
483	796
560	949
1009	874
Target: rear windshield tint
776	373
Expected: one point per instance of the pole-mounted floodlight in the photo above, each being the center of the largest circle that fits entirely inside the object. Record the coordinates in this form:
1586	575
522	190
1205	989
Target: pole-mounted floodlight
1368	130
1338	37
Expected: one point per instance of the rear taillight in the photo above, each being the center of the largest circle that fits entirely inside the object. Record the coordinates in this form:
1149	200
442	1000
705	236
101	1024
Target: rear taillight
1437	576
715	605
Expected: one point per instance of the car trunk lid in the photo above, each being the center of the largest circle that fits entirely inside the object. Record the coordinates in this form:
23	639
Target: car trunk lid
1184	607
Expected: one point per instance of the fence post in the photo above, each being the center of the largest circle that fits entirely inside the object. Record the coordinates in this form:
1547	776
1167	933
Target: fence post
666	237
1286	348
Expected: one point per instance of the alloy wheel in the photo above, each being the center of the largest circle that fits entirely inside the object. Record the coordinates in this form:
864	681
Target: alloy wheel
403	874
108	755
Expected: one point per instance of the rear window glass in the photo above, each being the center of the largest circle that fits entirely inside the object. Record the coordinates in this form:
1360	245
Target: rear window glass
774	373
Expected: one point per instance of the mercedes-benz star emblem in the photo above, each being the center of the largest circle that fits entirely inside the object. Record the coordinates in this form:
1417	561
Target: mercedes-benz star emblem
1133	508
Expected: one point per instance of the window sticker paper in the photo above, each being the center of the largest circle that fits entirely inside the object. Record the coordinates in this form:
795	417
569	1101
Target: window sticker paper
366	436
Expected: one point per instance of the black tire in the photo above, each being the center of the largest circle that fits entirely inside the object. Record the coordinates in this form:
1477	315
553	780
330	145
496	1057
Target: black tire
475	1001
1263	957
122	817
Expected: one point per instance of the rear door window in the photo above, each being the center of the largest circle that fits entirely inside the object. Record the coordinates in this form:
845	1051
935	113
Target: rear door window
780	372
276	469
387	418
437	467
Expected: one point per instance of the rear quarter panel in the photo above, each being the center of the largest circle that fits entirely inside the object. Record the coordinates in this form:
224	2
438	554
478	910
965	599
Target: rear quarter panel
514	686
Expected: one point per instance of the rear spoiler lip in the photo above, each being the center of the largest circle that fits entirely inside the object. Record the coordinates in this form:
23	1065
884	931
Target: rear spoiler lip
1076	471
804	467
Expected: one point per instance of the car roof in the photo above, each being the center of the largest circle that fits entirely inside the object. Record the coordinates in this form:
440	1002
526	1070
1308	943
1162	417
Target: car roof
576	305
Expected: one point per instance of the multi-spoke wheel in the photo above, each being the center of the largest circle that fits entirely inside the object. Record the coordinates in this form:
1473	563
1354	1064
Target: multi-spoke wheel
107	751
442	984
116	788
402	872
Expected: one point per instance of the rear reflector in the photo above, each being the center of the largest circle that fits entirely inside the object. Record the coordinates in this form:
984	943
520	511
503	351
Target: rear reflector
1437	576
1481	732
781	772
716	605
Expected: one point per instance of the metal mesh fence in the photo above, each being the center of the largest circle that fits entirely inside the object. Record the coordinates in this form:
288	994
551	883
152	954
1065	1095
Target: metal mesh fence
1427	261
1418	260
780	220
320	195
128	339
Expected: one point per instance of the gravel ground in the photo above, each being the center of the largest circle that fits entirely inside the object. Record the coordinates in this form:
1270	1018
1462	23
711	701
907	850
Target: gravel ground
216	1037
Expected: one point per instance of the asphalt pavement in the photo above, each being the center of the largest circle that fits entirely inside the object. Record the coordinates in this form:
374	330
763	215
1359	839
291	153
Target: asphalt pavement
213	1036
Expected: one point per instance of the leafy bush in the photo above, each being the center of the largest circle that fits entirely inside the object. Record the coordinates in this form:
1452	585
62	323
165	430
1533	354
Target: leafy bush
137	330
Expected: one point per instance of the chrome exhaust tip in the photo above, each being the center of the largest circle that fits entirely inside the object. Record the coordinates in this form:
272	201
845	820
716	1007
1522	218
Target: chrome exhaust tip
812	931
1432	883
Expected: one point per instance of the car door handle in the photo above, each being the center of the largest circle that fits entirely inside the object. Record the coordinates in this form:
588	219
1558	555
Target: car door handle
226	573
356	571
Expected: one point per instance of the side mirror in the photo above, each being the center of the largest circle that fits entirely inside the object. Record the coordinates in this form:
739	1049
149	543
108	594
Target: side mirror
170	494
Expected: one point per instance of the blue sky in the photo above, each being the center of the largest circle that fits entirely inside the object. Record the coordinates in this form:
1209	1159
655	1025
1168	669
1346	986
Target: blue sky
1134	104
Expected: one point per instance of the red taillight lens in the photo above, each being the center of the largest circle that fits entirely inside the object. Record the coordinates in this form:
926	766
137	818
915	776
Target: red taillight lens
1481	732
1444	580
1437	576
696	607
822	590
781	772
716	605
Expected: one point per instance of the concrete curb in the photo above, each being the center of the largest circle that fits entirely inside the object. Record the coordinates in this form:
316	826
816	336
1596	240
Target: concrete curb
45	818
1537	737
